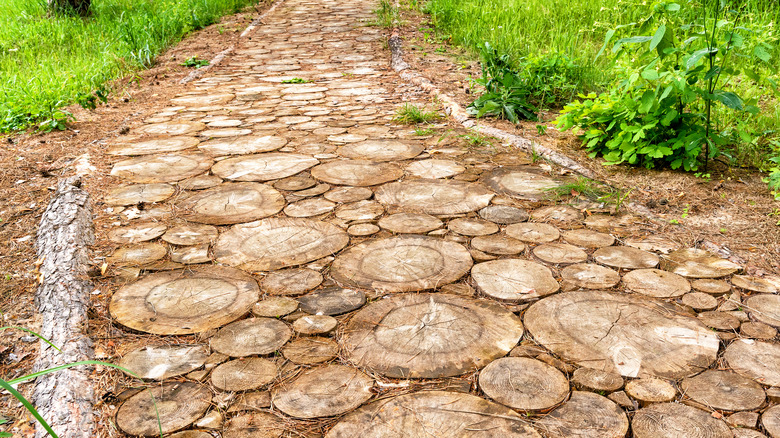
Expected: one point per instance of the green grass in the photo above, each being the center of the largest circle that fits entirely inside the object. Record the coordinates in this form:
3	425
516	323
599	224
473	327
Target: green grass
47	62
387	15
410	114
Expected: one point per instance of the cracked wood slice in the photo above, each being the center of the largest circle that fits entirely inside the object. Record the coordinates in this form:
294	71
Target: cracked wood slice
200	182
472	227
699	301
698	263
764	308
180	127
277	243
440	414
225	132
560	253
429	335
557	213
137	233
401	264
586	238
174	405
162	168
656	283
756	360
676	420
295	281
533	232
263	167
628	334
435	169
596	380
310	350
770	419
651	390
525	182
295	183
315	324
711	286
724	390
360	173
332	301
757	330
190	234
361	230
185	302
244	374
719	320
348	194
503	214
653	243
513	279
625	257
159	363
250	337
251	401
202	99
497	244
309	207
769	285
275	307
317	190
255	425
585	415
523	383
191	254
379	150
324	391
138	254
244	145
590	276
138	194
440	197
154	146
232	203
410	223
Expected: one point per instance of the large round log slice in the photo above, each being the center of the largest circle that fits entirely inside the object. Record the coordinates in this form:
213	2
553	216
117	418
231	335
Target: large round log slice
411	223
520	182
332	301
154	146
242	145
675	420
523	383
184	302
589	276
764	308
162	168
323	392
310	350
179	127
138	194
271	244
585	415
656	283
625	257
380	150
232	203
437	414
177	404
435	168
255	425
358	173
725	390
402	264
514	279
698	263
263	167
755	359
243	374
434	196
429	335
251	336
158	363
627	334
770	419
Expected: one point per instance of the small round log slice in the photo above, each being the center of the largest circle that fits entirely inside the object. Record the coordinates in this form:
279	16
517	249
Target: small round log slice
310	350
523	383
675	420
315	324
172	128
358	173
533	232
472	227
590	276
719	320
724	390
435	169
271	244
747	433
323	392
138	254
625	257
627	334
699	301
586	238
560	253
295	183
275	307
410	223
295	281
309	207
757	284
154	146
191	434
656	283
251	336
433	414
513	279
770	419
698	263
136	233
360	211
756	360
263	167
593	379
139	194
429	335
401	264
162	168
243	374
380	150
654	243
497	244
757	330
711	286
202	99
651	390
503	214
434	196
348	194
520	182
362	230
332	301
159	363
557	213
190	234
232	203
243	145
255	425
585	415
185	302
177	404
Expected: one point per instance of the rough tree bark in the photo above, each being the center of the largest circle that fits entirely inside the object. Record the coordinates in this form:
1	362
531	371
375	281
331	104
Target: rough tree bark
80	7
65	398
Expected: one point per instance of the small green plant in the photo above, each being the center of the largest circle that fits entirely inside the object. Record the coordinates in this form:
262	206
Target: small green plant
476	139
616	197
196	62
387	15
90	100
296	81
773	172
580	186
535	155
55	118
423	131
775	213
541	129
410	114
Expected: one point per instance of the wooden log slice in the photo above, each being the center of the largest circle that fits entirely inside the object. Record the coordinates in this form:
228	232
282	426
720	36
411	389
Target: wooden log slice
190	234
770	419
310	350
271	244
472	227
585	415
654	243
136	233
769	285
719	320
651	390
180	127
401	264
137	255
360	211
358	173
656	283
674	420
557	213
756	360
191	434
711	286
251	336
138	194
410	223
255	425
625	257
295	281
159	363
315	324
362	230
380	150
523	383
699	301
232	203
698	263
560	253
243	145
429	335
513	280
630	335
590	276
497	244
593	379
438	414
263	167
154	146
724	390
309	207
533	232
524	182
184	302
747	433
274	307
191	254
225	132
244	374
503	214
585	238
435	196
162	168
323	392
332	301
200	182
295	183
251	401
354	138
621	225
435	169
348	194
202	99
757	330
174	405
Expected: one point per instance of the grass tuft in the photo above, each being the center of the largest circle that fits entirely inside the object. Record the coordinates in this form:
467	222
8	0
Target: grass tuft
410	114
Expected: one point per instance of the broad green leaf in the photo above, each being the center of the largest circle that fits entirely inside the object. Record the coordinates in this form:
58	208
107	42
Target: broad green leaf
729	99
650	75
630	40
659	34
646	101
714	71
762	54
697	55
735	39
672	7
607	39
